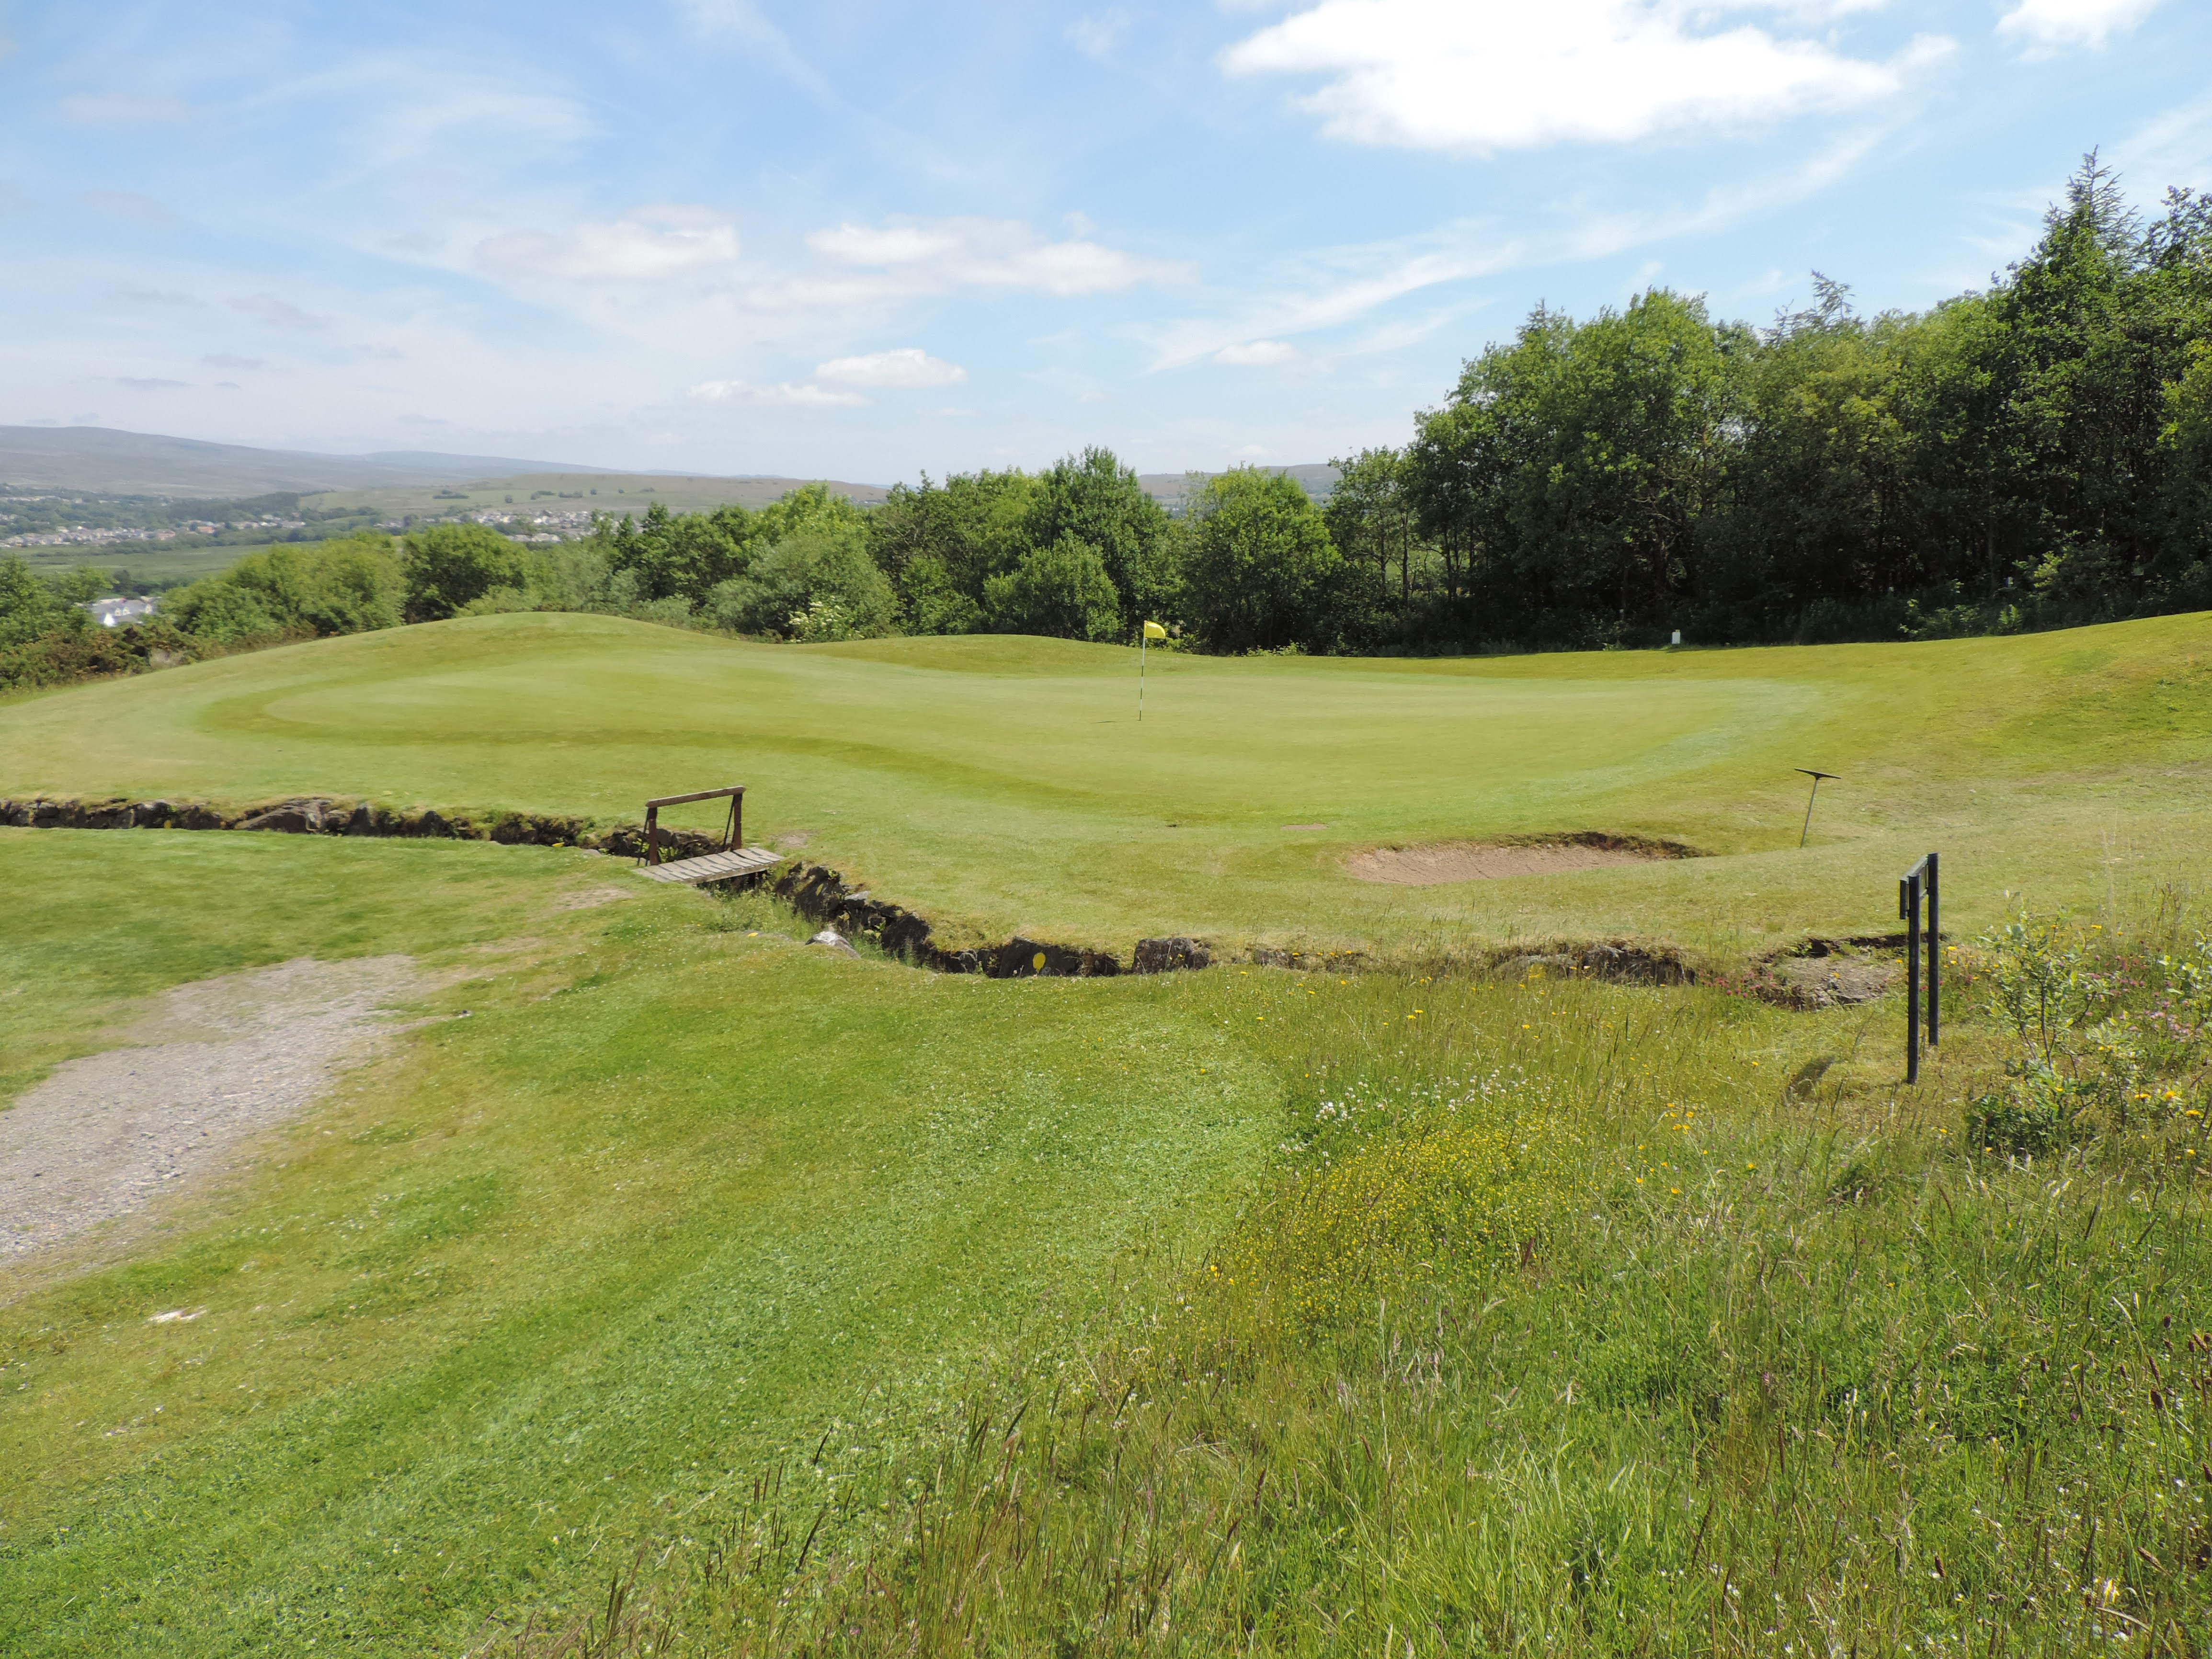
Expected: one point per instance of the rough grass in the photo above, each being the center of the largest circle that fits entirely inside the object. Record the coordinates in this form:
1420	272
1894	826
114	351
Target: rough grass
997	785
1777	1369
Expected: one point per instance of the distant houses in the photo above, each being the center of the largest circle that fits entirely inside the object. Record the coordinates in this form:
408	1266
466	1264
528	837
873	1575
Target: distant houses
120	612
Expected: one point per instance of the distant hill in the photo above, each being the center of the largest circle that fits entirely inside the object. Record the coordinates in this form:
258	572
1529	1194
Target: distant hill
96	457
102	459
1317	479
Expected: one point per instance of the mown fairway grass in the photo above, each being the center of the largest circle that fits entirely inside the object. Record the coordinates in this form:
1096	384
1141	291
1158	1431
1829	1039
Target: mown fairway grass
842	1308
679	1194
997	784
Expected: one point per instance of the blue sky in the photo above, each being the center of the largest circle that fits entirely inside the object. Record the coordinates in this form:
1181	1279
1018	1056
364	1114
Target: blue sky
860	241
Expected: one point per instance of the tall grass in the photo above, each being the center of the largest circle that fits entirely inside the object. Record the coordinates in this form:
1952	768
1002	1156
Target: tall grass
1567	1325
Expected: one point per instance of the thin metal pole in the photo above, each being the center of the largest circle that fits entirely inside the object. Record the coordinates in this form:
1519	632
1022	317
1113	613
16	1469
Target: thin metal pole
1143	641
1809	799
1935	955
1908	907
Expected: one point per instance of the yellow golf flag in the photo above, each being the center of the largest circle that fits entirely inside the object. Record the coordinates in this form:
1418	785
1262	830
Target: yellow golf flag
1154	631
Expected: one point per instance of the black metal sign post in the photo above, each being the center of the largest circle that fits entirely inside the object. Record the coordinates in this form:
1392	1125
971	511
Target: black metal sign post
1921	879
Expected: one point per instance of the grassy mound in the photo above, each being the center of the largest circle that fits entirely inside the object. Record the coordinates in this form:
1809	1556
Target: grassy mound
1003	784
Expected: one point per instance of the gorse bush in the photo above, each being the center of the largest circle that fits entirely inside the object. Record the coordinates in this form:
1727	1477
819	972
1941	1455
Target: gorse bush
2108	1038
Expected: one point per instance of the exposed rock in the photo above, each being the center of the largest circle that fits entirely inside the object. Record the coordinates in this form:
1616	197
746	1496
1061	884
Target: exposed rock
1165	955
305	814
1622	962
103	815
836	941
820	894
1269	956
1636	965
1022	958
1824	978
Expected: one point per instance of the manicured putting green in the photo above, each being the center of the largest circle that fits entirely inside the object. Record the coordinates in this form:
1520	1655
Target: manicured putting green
997	784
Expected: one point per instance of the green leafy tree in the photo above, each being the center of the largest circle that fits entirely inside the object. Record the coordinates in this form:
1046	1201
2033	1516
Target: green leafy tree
1259	571
1062	590
1371	515
941	544
1602	444
346	585
1092	497
28	607
447	567
677	556
822	562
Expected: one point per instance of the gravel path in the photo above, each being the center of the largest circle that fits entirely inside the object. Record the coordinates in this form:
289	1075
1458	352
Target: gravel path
213	1063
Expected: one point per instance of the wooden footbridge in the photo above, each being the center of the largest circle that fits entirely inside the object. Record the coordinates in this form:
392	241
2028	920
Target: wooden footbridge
731	860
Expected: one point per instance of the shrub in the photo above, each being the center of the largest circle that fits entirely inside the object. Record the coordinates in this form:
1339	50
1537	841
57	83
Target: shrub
449	565
1259	571
350	585
824	561
1062	592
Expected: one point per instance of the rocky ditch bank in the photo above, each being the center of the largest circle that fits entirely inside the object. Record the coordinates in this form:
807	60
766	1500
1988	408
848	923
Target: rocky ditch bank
818	893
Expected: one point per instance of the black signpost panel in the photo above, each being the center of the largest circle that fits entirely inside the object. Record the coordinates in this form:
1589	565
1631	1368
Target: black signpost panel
1921	880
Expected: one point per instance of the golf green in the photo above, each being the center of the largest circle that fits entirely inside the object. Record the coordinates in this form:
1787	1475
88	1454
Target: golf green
998	784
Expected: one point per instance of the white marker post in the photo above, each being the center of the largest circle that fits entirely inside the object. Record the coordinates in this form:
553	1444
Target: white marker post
1151	631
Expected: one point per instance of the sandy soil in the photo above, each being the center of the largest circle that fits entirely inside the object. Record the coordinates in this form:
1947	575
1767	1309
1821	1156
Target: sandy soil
211	1065
1466	861
1825	981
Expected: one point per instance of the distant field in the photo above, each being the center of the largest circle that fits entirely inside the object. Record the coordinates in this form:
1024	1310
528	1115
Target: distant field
568	492
147	561
998	784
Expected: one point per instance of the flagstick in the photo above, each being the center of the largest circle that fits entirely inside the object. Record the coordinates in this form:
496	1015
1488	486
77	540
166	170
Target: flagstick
1143	640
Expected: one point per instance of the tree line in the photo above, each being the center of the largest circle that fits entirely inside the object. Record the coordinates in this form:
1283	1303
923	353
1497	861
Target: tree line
2033	455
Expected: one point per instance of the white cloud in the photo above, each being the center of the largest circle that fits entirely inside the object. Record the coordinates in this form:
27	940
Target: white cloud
278	313
129	204
741	21
907	256
2167	149
152	296
1096	35
783	396
2049	25
1333	287
1256	354
652	244
116	109
906	366
1479	76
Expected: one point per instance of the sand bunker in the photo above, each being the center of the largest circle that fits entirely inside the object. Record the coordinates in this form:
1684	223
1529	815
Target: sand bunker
1469	861
214	1063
